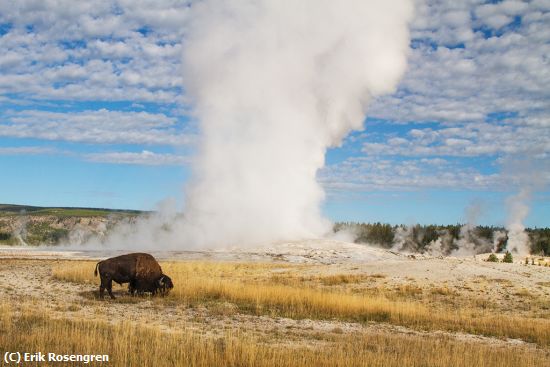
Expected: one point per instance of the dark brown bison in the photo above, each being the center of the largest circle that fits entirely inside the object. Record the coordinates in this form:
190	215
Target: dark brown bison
140	270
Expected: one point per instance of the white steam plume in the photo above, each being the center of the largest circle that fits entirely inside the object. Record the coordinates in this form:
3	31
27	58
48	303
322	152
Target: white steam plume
518	208
529	174
154	231
274	84
403	240
468	242
20	232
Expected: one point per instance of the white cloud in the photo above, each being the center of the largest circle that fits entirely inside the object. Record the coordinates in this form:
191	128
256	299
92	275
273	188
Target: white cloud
471	60
145	157
95	126
92	51
27	150
374	173
397	141
497	21
467	140
507	71
508	7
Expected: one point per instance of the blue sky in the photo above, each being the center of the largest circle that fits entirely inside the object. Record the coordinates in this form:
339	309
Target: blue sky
93	113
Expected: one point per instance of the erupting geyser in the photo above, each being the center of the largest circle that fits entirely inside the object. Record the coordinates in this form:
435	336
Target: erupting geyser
273	84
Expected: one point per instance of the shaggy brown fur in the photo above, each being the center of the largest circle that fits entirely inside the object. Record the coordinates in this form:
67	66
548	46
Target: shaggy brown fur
140	270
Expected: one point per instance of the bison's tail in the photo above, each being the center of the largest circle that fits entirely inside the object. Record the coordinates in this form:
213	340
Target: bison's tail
95	271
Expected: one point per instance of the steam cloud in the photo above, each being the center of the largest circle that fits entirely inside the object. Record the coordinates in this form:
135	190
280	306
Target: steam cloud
518	239
529	175
273	84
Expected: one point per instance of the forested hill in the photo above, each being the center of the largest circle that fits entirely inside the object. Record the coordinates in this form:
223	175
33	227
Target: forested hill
22	225
13	209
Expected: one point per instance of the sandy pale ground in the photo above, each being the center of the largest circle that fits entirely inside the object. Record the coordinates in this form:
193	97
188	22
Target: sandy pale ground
315	251
26	273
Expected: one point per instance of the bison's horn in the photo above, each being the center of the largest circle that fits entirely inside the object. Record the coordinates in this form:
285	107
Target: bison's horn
161	281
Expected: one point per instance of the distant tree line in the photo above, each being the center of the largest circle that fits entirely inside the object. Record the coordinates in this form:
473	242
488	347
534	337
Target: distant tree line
540	240
419	238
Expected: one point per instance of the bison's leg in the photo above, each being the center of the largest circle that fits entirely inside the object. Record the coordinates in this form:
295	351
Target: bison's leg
102	287
132	287
109	287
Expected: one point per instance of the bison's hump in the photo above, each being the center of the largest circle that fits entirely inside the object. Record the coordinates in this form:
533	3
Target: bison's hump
147	268
133	256
137	265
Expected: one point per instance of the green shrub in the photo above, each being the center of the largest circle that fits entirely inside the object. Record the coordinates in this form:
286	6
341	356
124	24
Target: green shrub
508	258
492	258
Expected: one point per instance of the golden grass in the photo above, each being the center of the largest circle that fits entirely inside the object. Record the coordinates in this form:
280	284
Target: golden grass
337	279
130	345
408	290
6	321
254	289
290	301
443	291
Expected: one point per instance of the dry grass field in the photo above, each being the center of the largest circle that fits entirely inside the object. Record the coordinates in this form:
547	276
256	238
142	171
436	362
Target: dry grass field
281	314
130	345
269	289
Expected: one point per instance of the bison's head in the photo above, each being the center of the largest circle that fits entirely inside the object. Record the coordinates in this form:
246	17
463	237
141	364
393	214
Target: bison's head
165	284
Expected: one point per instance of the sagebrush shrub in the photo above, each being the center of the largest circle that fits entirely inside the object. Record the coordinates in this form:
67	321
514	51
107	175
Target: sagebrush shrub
492	258
508	258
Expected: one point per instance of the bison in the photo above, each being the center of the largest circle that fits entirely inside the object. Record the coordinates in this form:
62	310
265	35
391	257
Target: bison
140	270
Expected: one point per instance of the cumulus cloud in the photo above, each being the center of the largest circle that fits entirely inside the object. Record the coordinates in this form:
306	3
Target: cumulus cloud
101	50
144	157
466	140
462	68
95	126
478	79
28	150
477	73
375	173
